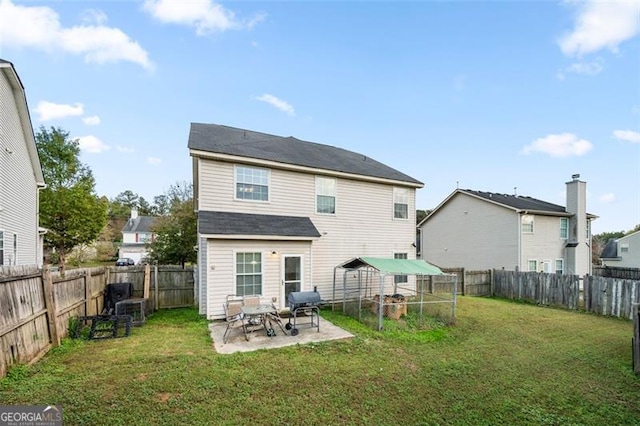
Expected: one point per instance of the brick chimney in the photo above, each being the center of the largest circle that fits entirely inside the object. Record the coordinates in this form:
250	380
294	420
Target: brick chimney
578	250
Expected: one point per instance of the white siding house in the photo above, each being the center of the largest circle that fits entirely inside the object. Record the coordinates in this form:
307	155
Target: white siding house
622	252
485	230
278	214
20	175
136	233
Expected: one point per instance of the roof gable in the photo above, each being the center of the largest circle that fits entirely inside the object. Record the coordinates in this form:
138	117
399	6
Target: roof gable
12	76
139	224
288	150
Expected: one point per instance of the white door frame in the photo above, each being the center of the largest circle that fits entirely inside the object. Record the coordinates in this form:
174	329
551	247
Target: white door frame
283	298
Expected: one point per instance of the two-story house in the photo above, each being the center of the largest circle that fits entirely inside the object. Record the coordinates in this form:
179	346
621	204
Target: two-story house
136	233
278	214
21	239
623	252
485	230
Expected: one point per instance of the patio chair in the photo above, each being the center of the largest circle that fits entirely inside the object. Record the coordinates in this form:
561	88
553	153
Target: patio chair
235	319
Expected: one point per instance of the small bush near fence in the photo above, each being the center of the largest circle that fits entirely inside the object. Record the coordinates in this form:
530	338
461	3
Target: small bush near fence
37	306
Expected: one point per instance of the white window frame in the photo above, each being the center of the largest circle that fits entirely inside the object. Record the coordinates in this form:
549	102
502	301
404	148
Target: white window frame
250	182
323	190
546	266
559	270
236	274
401	196
401	279
533	262
527	220
624	248
564	228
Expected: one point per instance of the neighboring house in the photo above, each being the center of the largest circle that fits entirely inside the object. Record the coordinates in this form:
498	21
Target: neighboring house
623	252
136	233
21	240
484	230
278	214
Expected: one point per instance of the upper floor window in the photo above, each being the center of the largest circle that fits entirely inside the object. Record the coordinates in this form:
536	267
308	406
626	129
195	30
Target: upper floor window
564	228
143	237
252	183
400	203
527	224
559	266
325	195
624	248
399	279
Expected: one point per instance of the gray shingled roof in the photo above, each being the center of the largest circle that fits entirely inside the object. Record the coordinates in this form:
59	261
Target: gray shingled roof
518	202
227	223
139	224
288	150
610	250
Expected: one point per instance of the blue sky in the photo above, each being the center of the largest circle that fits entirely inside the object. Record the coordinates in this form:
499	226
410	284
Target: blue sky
488	96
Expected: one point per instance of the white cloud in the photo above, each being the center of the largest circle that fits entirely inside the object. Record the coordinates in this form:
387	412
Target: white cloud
601	25
562	145
154	160
50	111
94	120
92	144
583	68
39	27
205	16
627	135
277	103
125	149
94	16
607	198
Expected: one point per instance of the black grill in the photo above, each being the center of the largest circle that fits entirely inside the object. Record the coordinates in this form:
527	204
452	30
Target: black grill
306	302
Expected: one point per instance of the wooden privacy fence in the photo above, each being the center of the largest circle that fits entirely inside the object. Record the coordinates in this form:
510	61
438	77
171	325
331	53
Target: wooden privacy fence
635	343
469	283
611	296
36	304
537	287
617	272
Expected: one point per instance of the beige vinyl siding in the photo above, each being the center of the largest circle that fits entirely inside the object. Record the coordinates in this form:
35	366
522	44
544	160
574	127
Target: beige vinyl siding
544	243
363	224
18	189
221	279
631	257
471	233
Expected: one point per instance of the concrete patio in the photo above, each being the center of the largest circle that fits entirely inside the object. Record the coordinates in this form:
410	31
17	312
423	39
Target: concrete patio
258	339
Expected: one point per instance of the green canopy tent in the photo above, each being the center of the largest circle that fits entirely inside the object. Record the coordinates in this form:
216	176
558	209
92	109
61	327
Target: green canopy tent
384	267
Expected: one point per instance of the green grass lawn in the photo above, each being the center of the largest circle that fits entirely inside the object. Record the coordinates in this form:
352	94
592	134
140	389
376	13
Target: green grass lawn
502	363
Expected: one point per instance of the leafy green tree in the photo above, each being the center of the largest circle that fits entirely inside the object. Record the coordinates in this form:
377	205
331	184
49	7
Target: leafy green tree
176	231
69	208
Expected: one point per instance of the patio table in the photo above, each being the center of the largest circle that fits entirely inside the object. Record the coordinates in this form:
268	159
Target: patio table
265	314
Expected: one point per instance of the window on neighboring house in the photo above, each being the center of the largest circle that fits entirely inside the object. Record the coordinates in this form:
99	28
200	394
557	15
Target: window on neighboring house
624	248
588	229
15	249
564	228
559	266
1	247
400	203
143	237
546	266
399	279
249	274
527	224
325	195
533	266
252	183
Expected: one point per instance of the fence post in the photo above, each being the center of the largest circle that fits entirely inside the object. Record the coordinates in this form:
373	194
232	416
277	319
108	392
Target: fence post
47	286
87	291
147	278
491	284
155	287
636	338
464	282
430	284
